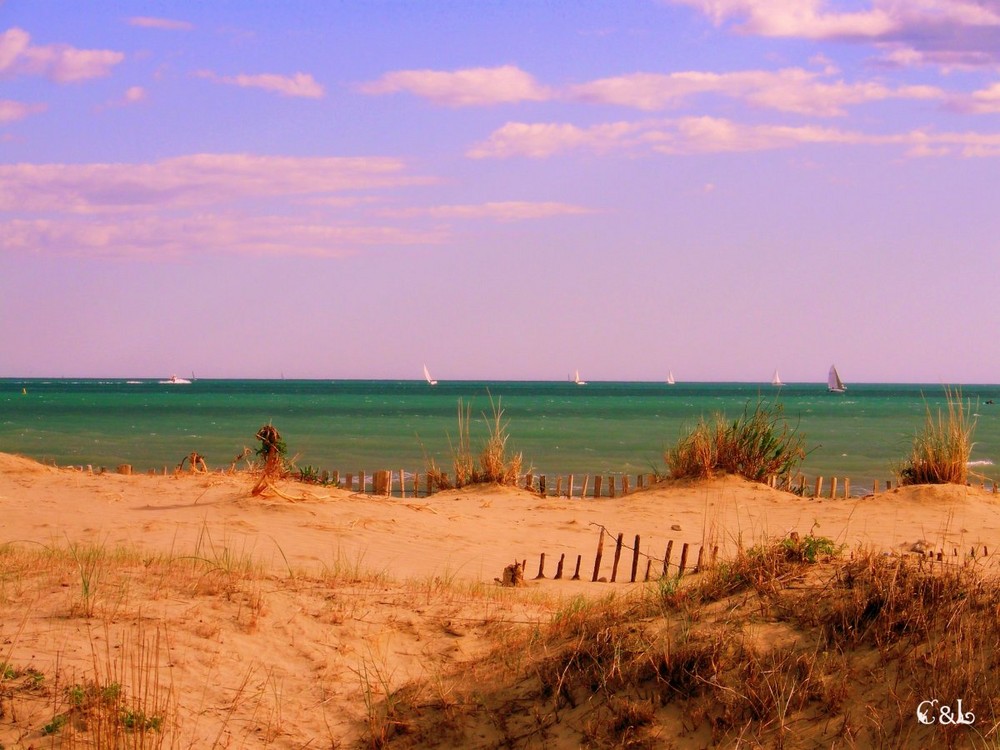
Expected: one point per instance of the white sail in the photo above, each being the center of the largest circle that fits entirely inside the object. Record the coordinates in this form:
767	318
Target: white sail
576	379
776	380
670	378
428	378
833	382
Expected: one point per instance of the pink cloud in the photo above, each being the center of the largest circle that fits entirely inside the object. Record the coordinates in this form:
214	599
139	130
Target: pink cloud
235	203
58	62
11	111
167	24
497	211
157	237
945	33
463	88
540	140
194	180
300	85
701	135
789	90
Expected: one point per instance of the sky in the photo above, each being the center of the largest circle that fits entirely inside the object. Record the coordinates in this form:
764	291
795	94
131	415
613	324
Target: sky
501	189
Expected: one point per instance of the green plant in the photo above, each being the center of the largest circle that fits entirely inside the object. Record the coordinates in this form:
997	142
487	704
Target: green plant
57	723
309	474
137	721
940	452
758	444
810	548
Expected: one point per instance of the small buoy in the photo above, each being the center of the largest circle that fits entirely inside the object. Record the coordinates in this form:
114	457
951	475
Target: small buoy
24	391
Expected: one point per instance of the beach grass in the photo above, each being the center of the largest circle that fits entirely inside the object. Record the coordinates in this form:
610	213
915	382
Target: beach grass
495	463
781	648
941	449
758	444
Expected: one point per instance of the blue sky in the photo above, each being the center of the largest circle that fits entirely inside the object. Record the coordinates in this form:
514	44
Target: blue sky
507	190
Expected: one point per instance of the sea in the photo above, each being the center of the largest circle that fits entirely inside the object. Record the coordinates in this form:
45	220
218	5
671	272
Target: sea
559	427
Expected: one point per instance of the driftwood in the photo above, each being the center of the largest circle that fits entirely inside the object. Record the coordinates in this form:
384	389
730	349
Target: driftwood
513	575
196	461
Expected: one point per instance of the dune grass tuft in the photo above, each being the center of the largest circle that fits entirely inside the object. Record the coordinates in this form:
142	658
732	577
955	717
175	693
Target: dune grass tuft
758	444
941	450
495	464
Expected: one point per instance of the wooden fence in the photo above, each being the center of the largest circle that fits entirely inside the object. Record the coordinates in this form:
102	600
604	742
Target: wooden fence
707	557
413	484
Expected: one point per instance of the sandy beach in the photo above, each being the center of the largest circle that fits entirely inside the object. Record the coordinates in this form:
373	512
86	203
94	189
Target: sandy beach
284	620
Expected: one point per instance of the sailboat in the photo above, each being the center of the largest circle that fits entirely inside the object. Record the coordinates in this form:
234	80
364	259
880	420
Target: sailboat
576	379
776	380
670	378
428	378
833	382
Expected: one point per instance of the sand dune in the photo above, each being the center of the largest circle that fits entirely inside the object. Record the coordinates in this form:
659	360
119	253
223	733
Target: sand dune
276	622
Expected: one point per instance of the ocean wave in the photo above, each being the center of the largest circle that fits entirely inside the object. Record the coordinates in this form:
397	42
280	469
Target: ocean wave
983	462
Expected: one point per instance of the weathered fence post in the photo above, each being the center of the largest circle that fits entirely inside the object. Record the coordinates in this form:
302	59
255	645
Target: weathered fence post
576	573
684	559
833	487
666	557
819	486
541	567
611	485
569	486
618	554
597	558
598	479
583	490
635	559
559	566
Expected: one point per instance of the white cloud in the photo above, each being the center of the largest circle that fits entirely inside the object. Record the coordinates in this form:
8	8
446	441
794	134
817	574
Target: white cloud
463	88
58	62
299	85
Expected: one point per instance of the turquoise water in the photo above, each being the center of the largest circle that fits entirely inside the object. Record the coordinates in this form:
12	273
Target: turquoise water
559	426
